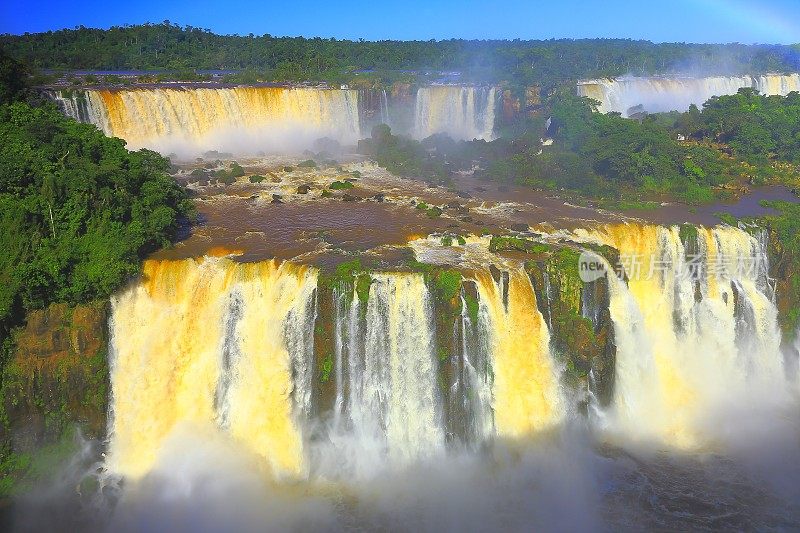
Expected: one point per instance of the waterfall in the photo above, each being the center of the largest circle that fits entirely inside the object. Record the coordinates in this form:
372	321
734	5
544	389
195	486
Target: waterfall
677	94
796	355
461	112
385	119
526	395
239	119
211	343
217	346
470	415
390	371
83	106
248	120
694	331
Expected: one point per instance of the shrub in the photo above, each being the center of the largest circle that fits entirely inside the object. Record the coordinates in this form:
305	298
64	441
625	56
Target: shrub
340	185
433	212
448	283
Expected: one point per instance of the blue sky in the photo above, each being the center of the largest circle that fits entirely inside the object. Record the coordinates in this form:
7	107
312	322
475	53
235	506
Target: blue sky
746	21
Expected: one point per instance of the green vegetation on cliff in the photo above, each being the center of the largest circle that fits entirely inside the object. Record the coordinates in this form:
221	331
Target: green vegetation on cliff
784	234
621	163
77	210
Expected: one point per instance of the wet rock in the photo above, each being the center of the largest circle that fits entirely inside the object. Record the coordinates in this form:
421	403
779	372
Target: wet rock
462	194
496	273
380	197
303	189
350	198
453	205
466	219
276	199
470	289
520	227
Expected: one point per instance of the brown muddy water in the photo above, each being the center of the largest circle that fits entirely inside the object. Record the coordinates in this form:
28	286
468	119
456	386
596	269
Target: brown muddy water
286	216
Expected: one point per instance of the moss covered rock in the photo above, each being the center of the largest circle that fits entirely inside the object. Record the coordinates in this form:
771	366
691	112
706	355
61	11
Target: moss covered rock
55	379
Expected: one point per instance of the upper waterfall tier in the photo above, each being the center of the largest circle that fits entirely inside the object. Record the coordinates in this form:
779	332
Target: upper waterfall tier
241	119
656	95
461	112
248	120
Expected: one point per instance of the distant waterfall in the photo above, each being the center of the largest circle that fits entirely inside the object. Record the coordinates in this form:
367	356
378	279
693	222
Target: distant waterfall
385	118
461	112
694	331
240	119
248	120
655	95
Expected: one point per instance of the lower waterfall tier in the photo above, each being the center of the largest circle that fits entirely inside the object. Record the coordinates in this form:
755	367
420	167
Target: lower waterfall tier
394	367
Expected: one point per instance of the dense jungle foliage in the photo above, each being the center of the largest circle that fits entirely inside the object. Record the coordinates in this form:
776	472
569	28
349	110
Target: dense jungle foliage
167	46
694	157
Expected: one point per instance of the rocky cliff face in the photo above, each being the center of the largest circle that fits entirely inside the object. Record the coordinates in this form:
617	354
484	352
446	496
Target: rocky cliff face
784	266
56	378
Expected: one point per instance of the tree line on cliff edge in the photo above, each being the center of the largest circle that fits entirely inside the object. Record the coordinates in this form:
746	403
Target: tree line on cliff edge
167	46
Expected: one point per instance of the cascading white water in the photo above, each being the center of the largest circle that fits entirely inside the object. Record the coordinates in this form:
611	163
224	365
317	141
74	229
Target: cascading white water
212	345
687	347
796	362
385	118
471	419
389	372
461	112
239	119
83	106
246	120
657	95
